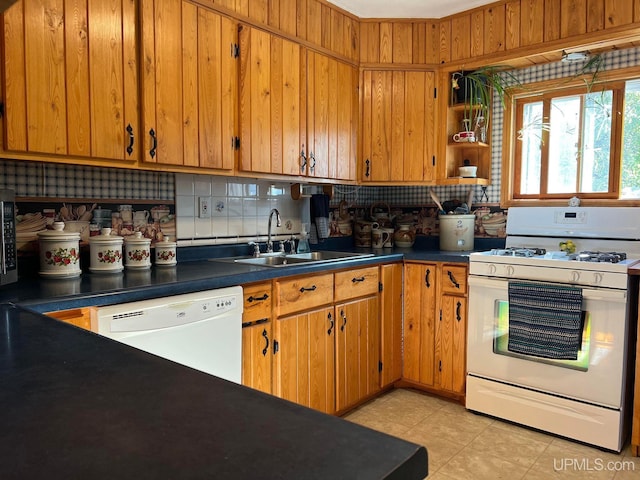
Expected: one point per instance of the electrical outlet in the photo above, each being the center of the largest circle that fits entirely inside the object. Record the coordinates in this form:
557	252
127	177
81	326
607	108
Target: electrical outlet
204	207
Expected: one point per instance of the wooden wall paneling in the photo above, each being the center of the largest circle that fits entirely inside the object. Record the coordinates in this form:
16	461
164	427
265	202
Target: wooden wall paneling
460	37
353	38
386	42
130	32
44	54
259	11
477	33
325	33
191	110
433	42
531	22
273	13
228	4
370	42
398	125
618	12
338	28
419	42
79	114
301	19
242	7
402	42
573	17
636	11
595	15
15	95
512	25
414	126
551	20
314	22
445	41
494	29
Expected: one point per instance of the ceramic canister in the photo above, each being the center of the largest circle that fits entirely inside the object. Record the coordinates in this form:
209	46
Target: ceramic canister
59	252
166	252
137	251
106	252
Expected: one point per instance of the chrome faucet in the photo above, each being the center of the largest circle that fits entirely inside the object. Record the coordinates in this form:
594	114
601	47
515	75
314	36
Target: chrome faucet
278	223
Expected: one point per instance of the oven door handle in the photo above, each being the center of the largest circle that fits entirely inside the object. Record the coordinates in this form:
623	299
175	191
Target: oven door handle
605	294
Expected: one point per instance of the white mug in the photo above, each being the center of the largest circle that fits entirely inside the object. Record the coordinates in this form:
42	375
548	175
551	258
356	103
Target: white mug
379	237
468	136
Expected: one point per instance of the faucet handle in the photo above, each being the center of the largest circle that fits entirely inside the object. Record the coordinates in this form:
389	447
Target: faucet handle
282	247
256	248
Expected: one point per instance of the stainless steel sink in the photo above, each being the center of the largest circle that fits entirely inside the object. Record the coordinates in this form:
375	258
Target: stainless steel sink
283	260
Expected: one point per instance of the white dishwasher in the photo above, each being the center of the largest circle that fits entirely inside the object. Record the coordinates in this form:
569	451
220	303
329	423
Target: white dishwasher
202	330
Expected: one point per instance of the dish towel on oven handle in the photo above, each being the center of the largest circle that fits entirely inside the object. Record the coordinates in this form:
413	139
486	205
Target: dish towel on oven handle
545	320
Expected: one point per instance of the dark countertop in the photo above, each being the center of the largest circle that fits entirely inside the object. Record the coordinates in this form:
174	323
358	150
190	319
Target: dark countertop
194	272
76	405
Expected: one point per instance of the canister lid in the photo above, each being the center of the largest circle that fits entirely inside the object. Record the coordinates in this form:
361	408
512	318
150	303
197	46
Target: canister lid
137	239
166	242
58	234
106	237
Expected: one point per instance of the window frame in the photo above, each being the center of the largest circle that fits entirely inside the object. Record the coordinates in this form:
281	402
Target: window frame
510	182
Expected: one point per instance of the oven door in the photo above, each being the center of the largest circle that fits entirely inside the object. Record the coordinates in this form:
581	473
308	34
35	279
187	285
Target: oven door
597	376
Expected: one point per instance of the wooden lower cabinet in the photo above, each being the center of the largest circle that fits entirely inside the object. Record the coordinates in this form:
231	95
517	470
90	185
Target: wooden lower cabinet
357	351
390	323
304	370
80	317
435	320
257	337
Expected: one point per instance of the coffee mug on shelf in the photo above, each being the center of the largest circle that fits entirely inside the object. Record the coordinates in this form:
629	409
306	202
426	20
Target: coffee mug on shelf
464	137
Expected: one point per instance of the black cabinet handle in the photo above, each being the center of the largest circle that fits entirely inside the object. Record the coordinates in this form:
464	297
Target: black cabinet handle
458	317
303	165
330	317
426	278
312	167
453	279
257	299
344	320
130	132
304	289
152	152
266	338
357	279
367	171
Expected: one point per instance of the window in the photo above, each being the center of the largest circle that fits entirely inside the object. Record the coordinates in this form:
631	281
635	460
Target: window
578	142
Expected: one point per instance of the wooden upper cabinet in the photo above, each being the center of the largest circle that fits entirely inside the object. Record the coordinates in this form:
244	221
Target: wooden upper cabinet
189	85
398	127
271	104
70	78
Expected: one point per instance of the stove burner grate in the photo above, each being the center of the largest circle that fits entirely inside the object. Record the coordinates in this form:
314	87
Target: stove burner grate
604	257
518	251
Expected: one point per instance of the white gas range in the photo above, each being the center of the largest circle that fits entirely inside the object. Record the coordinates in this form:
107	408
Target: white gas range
549	331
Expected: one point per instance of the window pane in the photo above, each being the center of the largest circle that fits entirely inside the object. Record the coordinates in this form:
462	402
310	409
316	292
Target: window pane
531	137
631	141
563	144
596	142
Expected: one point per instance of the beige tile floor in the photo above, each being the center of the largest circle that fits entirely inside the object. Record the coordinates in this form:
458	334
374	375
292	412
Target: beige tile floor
463	445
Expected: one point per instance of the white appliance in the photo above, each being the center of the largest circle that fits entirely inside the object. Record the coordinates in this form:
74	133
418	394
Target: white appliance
527	377
201	330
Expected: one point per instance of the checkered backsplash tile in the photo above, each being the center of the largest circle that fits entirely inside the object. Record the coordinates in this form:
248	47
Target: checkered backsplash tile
35	179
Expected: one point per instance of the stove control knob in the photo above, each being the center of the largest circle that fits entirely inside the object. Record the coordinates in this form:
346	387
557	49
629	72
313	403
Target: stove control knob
597	278
492	269
510	271
575	276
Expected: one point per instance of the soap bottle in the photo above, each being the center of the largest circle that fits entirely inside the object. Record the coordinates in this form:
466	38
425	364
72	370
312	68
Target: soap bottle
303	242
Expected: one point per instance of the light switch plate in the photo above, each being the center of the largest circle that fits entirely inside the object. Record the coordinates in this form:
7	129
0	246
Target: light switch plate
204	207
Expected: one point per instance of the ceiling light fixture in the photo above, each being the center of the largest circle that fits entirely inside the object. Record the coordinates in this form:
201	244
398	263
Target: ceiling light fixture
575	56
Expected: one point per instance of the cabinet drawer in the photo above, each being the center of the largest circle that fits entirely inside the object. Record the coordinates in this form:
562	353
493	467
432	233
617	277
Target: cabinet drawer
80	317
454	279
303	293
356	283
258	300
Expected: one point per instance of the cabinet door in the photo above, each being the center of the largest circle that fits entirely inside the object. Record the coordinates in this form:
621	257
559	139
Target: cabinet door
399	115
304	366
257	341
271	111
391	323
70	78
332	117
451	343
357	351
80	317
189	85
419	322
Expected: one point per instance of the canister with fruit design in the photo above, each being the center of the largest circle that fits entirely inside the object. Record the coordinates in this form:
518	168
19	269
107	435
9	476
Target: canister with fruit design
106	252
166	252
137	251
59	252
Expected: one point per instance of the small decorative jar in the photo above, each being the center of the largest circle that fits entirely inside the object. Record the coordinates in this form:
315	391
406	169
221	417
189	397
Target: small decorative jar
106	252
137	251
405	236
59	252
166	252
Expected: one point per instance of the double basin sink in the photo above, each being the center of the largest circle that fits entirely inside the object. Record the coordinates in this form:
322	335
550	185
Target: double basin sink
285	260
